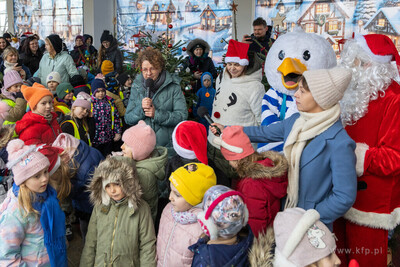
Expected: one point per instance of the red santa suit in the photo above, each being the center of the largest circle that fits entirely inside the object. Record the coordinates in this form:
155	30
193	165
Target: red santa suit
364	232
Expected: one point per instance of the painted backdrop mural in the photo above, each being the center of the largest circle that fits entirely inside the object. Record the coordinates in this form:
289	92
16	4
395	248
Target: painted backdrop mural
43	17
334	19
210	20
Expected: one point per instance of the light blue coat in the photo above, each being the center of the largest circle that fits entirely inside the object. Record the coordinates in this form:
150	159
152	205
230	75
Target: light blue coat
61	63
327	179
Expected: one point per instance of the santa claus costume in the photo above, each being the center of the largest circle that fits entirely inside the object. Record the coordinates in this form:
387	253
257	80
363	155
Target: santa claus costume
371	113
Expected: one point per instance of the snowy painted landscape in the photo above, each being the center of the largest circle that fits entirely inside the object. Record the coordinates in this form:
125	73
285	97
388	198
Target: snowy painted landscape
43	17
135	16
334	19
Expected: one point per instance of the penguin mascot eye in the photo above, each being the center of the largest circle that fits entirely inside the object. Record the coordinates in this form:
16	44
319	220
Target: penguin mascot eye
281	55
306	55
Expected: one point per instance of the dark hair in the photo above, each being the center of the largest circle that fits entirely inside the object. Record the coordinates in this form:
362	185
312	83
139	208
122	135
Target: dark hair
259	21
26	49
303	81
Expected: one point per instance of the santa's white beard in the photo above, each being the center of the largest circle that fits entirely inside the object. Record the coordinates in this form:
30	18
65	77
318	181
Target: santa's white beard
367	84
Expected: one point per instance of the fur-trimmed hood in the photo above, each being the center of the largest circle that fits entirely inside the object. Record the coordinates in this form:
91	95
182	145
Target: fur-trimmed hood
270	164
195	42
6	134
262	251
120	170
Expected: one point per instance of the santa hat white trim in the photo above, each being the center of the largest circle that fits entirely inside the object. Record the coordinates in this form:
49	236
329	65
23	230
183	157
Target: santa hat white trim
183	152
242	62
221	143
360	39
374	220
306	221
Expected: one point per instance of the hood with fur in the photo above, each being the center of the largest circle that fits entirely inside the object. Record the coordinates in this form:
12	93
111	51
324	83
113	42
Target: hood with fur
195	42
262	251
120	170
257	169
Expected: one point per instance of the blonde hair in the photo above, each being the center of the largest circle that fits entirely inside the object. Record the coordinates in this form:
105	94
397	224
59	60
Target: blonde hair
84	121
63	184
101	55
25	199
9	50
52	55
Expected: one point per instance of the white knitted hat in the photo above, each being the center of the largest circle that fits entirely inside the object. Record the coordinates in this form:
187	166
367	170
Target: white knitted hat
328	86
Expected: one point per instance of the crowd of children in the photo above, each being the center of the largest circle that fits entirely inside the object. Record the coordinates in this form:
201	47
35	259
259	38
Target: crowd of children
216	202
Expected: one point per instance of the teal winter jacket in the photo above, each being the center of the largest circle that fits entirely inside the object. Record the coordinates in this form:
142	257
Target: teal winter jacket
61	63
170	108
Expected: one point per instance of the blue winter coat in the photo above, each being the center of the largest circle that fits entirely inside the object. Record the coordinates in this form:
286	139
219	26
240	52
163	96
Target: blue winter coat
327	179
222	255
203	100
87	159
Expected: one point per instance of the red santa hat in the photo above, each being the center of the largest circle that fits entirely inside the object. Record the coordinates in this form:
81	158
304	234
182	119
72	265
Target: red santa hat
189	140
237	53
53	155
379	47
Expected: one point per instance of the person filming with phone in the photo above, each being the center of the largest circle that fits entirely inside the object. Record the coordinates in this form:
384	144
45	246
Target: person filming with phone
261	33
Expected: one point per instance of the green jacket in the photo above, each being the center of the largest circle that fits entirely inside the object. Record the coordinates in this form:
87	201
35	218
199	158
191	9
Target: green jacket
120	236
61	63
149	170
170	105
16	112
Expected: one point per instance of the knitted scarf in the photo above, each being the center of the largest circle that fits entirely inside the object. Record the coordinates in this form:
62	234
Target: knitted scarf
305	128
52	220
184	217
157	83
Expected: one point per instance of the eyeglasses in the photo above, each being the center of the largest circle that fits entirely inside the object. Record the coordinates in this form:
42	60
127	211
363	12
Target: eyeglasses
151	70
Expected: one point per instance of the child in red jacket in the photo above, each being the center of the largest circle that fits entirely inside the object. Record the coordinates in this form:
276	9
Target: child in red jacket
262	177
38	126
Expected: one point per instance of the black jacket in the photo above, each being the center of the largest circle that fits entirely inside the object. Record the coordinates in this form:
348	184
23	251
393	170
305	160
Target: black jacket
32	61
114	55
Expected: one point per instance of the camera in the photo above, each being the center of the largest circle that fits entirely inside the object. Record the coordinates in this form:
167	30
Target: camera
250	38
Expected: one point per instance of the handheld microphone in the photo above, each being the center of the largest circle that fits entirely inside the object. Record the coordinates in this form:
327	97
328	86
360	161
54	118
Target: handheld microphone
149	83
203	113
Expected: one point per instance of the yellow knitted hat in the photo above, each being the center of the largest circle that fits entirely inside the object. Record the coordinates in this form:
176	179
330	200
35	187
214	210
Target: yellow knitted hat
106	67
193	180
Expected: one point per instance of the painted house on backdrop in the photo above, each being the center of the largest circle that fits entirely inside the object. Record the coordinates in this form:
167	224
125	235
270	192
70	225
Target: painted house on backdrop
324	17
160	11
215	18
192	6
386	21
266	3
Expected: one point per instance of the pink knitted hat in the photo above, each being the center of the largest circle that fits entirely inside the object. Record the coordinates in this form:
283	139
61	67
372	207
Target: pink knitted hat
83	100
67	142
25	161
4	108
10	78
141	139
234	143
301	238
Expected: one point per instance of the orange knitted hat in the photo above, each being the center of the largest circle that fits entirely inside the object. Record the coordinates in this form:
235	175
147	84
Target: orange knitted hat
34	94
106	67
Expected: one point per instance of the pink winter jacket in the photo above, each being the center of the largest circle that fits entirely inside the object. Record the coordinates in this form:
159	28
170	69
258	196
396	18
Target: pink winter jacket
174	239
